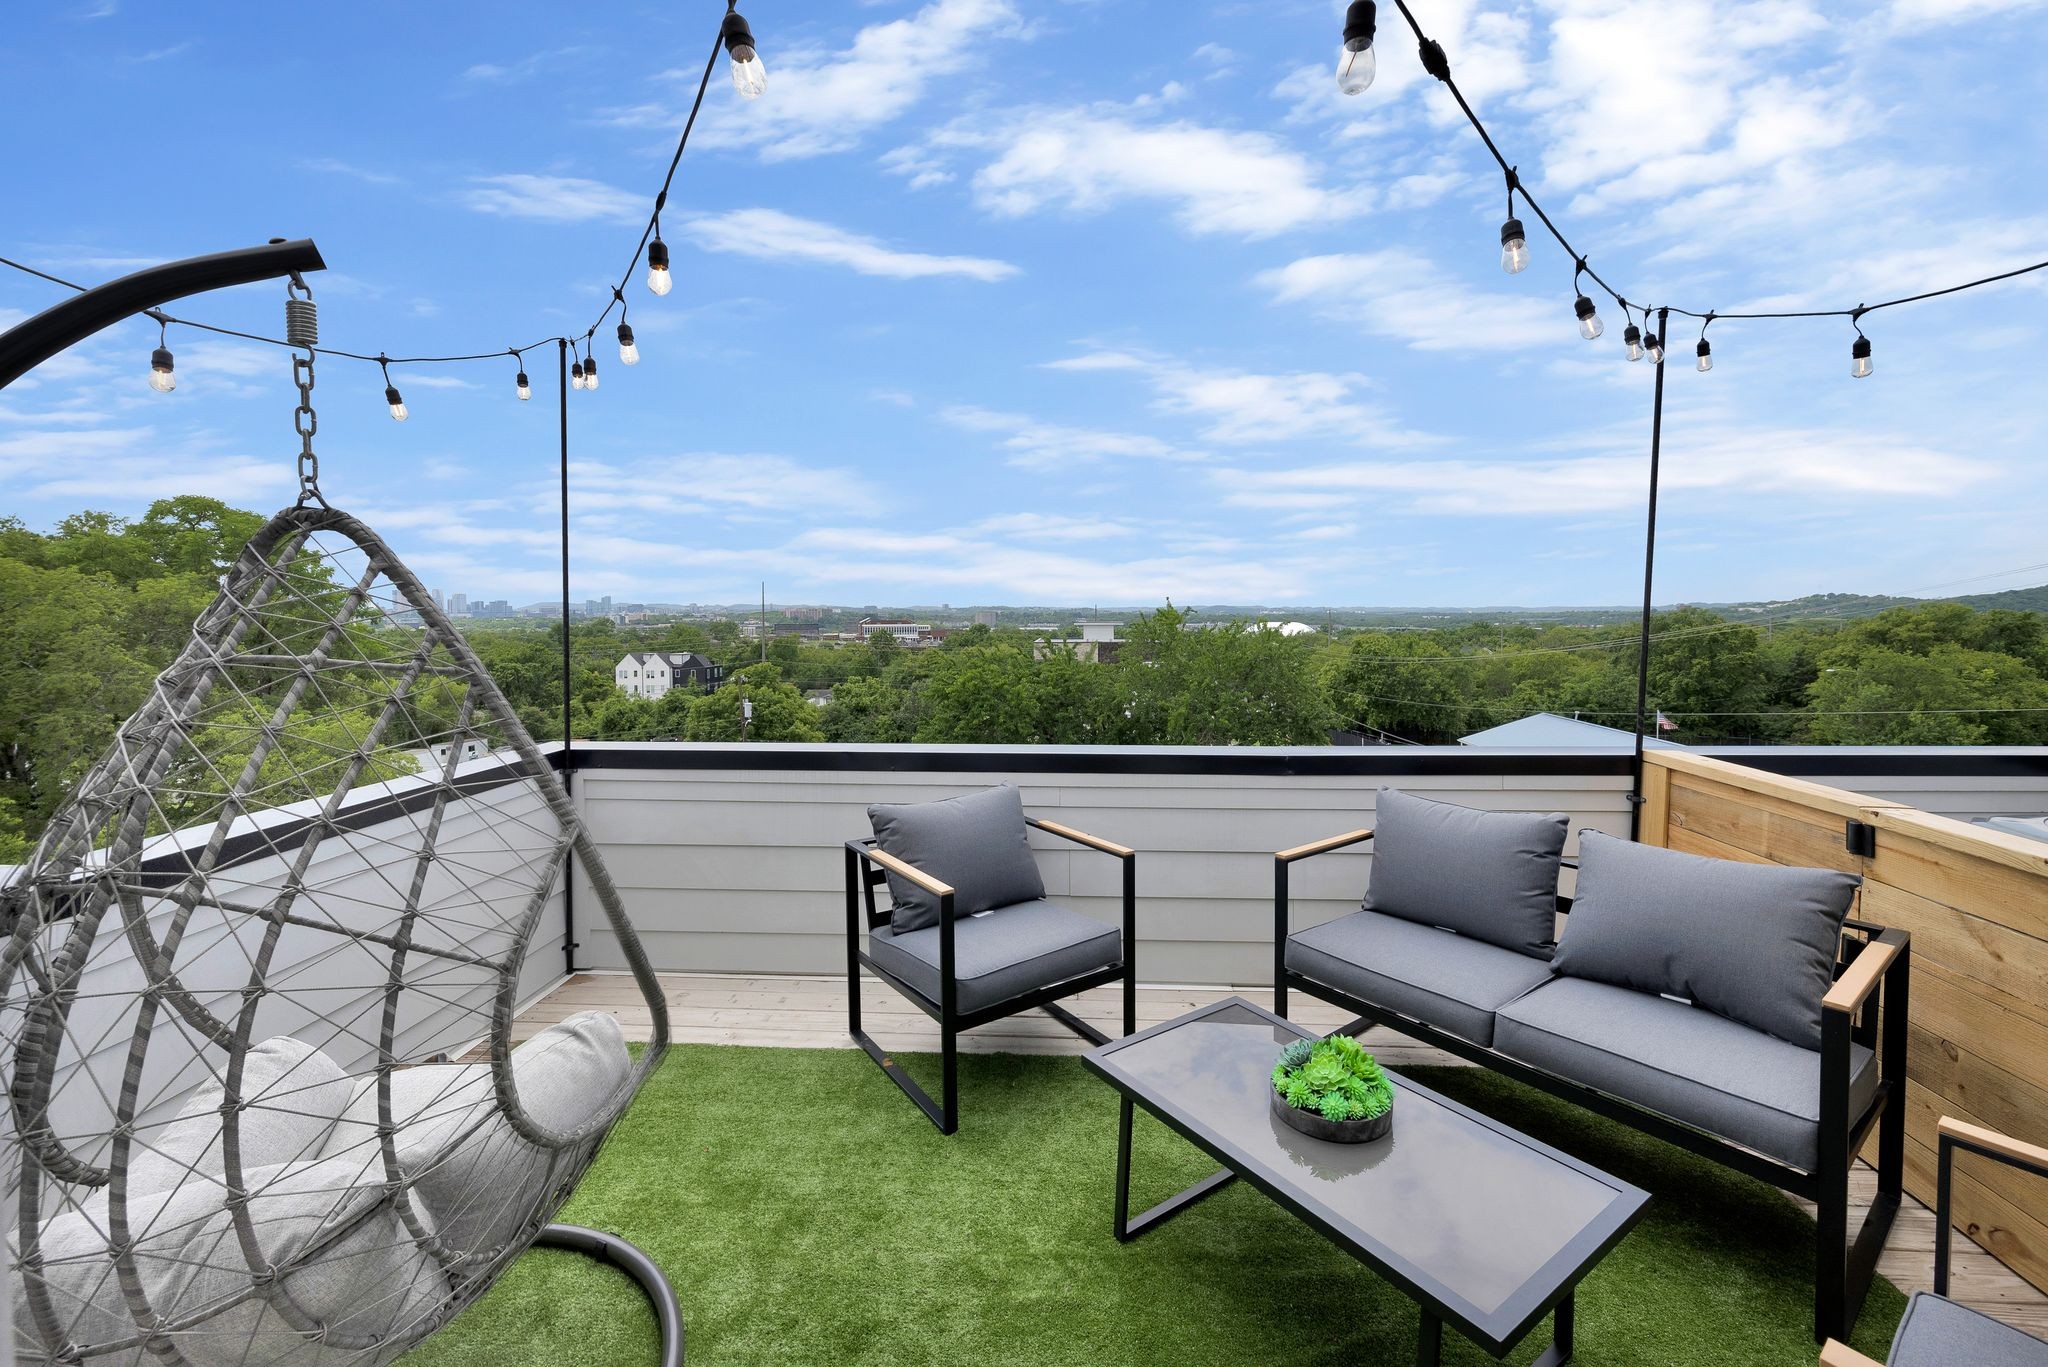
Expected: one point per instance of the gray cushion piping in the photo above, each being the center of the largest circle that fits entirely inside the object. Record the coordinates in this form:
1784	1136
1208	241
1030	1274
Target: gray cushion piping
1019	963
1685	1077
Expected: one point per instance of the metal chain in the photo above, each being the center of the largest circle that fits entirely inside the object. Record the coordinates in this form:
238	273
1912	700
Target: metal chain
302	328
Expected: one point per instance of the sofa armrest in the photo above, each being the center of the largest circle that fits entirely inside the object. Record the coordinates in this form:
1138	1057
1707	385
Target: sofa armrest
1862	976
1978	1139
1314	847
1835	1353
906	871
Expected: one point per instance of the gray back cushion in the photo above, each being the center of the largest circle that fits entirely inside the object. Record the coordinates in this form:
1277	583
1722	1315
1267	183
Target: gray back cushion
1489	875
976	844
1753	942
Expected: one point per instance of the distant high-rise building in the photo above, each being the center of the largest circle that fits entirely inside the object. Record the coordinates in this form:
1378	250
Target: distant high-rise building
439	602
458	605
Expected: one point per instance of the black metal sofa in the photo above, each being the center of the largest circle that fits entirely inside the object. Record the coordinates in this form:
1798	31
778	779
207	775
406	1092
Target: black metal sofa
1789	1115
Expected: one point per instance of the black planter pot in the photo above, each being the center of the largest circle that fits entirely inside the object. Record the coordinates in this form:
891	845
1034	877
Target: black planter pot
1315	1126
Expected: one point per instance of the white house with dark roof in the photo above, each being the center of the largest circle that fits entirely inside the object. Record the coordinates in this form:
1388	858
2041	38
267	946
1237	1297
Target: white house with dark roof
652	673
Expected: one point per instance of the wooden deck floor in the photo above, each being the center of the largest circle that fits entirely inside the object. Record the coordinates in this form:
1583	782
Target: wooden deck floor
810	1013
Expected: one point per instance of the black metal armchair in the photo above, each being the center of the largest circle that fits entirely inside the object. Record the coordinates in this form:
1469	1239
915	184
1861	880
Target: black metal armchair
967	971
1936	1330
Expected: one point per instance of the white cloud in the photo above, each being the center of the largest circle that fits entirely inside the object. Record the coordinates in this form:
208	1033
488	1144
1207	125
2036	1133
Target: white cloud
1240	407
822	101
1084	161
1402	295
1910	12
508	73
554	199
1041	445
770	234
334	166
694	481
1746	463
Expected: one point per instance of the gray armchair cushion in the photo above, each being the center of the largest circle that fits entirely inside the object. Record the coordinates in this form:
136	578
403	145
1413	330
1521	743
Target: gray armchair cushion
1450	981
975	844
1939	1333
293	1093
472	1173
1010	951
1753	942
1682	1062
1489	875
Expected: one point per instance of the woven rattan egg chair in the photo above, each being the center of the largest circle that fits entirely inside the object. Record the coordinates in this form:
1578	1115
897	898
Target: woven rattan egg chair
315	865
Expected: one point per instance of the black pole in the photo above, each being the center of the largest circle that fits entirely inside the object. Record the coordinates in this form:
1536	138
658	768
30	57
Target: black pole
1635	797
568	739
27	345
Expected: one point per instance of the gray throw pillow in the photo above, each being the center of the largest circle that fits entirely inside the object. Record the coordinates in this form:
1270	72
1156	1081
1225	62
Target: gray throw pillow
1489	875
976	844
1753	942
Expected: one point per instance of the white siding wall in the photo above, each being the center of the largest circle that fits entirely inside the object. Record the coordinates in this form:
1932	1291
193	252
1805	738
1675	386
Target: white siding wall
740	870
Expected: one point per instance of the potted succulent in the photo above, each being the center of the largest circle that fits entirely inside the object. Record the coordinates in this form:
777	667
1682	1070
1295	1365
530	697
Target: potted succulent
1332	1089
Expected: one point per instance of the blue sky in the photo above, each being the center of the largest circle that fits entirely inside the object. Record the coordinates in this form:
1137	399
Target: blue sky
996	301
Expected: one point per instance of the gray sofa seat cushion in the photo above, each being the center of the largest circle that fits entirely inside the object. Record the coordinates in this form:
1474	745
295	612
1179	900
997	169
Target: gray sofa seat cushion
1691	1065
1009	951
976	844
1940	1333
293	1093
1753	942
1489	875
1452	982
472	1173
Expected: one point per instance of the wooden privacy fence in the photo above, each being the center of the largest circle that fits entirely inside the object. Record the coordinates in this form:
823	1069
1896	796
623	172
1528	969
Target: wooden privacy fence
1976	904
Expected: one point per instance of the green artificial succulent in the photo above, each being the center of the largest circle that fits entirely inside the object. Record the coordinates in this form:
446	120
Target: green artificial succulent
1335	1078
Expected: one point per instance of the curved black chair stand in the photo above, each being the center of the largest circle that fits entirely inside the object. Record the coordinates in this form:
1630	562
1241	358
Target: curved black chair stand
627	1257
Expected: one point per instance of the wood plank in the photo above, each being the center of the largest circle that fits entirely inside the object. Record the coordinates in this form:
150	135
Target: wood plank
1969	945
1791	795
1652	830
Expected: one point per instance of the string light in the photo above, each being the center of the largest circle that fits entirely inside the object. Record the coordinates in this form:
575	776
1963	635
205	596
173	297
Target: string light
589	366
521	386
162	376
1514	244
1705	350
1633	335
658	278
749	77
1355	62
1859	357
399	412
576	374
1653	345
1590	326
629	353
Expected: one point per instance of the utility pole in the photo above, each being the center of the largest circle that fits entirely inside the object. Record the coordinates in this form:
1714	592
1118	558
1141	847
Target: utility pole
764	621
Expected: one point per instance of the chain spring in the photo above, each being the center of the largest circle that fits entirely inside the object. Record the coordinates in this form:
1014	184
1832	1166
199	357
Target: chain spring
302	328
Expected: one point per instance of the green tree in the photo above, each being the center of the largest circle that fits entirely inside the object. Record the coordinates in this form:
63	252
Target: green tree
1946	696
781	712
1380	684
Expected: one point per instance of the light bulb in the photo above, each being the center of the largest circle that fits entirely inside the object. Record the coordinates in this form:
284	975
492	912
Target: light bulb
1590	326
576	375
658	278
1514	247
629	354
1355	62
1655	346
1633	335
399	412
1859	358
1705	351
525	390
749	77
161	378
590	372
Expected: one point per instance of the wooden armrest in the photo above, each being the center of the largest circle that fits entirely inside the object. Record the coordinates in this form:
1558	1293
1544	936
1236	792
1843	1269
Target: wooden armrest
1834	1353
1335	842
1860	979
909	871
1093	842
2003	1145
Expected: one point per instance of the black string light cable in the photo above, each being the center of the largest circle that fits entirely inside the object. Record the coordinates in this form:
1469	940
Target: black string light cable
735	38
1359	24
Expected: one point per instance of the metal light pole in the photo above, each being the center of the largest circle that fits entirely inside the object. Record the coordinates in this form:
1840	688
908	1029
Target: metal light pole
1635	797
27	345
568	737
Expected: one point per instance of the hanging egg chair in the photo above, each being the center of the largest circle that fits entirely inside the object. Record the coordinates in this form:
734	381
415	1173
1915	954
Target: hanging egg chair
258	986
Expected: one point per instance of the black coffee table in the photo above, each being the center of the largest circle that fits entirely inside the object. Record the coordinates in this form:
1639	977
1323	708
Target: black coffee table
1482	1227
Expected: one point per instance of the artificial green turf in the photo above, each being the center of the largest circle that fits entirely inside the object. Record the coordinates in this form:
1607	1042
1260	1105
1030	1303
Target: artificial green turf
807	1213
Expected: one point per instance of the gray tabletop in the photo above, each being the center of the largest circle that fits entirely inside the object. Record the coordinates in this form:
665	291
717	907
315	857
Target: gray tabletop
1487	1225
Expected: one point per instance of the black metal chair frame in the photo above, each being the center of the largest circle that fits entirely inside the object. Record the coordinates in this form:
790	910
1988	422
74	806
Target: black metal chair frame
1873	971
868	866
1947	1143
